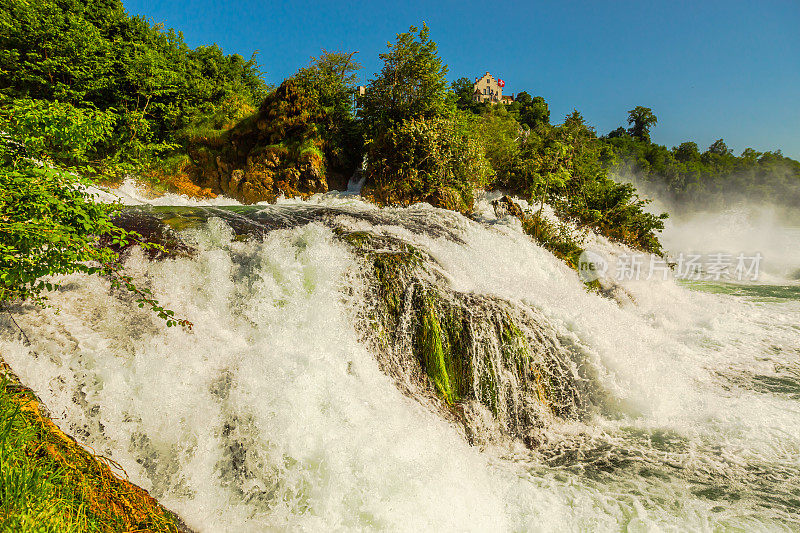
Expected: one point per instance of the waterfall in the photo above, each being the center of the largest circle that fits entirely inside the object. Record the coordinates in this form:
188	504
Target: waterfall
357	368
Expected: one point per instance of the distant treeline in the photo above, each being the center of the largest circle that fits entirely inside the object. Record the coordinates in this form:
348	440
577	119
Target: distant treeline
689	178
683	175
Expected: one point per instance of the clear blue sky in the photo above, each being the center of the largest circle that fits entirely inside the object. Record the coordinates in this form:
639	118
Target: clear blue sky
708	69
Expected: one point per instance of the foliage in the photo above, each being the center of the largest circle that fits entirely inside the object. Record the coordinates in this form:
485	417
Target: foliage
713	178
463	92
411	85
50	483
499	135
49	223
418	147
640	120
532	112
329	81
566	166
94	56
55	130
554	237
427	160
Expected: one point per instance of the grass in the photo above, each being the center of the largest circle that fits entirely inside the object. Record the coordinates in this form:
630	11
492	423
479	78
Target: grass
553	238
49	483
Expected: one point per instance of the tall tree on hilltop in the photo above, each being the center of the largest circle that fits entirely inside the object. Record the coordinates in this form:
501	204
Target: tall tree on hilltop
330	83
331	78
641	119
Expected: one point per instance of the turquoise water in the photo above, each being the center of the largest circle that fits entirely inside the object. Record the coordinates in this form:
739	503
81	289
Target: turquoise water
750	291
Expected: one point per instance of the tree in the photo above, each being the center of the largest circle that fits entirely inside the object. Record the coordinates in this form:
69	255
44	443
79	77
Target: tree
427	160
49	222
641	119
523	98
617	133
411	85
719	147
93	55
687	151
329	83
463	90
331	79
535	112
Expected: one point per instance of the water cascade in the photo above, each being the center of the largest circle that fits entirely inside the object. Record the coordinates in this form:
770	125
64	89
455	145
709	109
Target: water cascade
412	369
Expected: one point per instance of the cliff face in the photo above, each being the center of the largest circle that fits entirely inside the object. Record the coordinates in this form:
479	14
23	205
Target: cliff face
277	151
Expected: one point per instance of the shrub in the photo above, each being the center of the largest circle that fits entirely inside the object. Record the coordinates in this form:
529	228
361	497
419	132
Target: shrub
426	160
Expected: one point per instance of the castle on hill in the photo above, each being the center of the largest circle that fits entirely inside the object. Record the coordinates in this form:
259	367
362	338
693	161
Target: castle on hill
488	89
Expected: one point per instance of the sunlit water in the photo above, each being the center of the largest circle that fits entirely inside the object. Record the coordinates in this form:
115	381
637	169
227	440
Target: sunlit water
274	414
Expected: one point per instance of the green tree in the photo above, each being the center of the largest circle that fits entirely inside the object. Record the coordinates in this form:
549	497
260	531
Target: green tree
329	82
331	79
463	90
93	55
536	113
411	85
641	119
523	98
719	147
431	160
687	151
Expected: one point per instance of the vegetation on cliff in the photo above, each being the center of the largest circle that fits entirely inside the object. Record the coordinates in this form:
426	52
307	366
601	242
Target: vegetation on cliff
49	483
303	134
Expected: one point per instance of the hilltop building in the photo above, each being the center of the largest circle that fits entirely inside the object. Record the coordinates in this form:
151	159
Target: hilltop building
488	89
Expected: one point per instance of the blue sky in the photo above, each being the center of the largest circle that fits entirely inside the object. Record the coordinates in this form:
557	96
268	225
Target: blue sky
708	69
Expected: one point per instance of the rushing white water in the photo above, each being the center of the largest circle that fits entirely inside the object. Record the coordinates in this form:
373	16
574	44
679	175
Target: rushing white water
274	414
131	192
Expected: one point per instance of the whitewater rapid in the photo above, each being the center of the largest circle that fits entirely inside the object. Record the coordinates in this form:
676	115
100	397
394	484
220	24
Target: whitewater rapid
273	414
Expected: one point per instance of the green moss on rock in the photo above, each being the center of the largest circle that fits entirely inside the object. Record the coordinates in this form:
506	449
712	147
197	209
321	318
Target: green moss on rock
468	347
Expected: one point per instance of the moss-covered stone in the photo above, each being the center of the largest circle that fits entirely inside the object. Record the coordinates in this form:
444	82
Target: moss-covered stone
277	151
467	347
439	345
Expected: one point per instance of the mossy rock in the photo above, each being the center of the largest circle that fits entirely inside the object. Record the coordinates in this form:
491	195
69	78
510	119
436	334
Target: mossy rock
467	347
278	151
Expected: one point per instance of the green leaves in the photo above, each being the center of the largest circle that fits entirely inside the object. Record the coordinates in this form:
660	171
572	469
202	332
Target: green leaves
700	179
57	131
641	119
116	70
49	224
411	85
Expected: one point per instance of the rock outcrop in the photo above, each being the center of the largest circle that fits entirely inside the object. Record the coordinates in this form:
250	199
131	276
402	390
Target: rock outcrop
277	151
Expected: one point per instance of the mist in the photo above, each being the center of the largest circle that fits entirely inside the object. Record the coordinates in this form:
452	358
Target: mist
728	223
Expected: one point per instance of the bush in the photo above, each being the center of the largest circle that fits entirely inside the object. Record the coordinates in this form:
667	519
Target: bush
55	130
426	160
